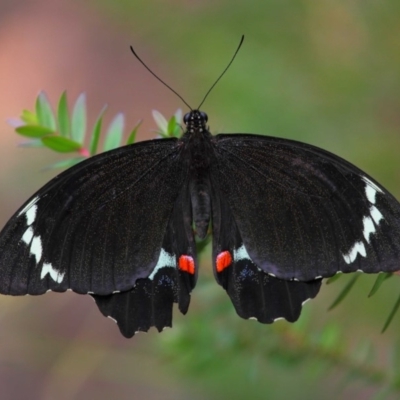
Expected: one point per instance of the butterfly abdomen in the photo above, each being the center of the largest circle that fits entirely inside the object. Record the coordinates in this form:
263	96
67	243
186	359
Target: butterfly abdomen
199	150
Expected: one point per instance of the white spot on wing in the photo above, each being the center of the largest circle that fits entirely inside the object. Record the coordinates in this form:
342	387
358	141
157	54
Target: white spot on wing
36	248
376	214
371	184
28	206
31	215
370	193
164	260
113	319
54	274
352	254
27	236
369	228
369	222
241	254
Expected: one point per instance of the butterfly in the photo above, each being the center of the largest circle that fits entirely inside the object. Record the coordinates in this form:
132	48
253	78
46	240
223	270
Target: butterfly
121	226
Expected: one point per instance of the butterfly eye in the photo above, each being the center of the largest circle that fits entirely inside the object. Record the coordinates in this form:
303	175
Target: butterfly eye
204	116
186	118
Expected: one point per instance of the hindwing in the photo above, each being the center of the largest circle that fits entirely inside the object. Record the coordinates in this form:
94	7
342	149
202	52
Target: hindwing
253	292
149	303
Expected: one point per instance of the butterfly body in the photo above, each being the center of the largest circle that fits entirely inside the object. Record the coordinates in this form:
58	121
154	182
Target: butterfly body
121	226
197	143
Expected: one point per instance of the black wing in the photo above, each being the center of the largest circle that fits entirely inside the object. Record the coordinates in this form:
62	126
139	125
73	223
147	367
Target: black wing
304	213
150	302
97	227
254	293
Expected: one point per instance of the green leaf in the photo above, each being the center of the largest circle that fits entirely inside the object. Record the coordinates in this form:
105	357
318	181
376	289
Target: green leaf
44	112
378	282
94	140
78	120
344	292
29	117
176	129
178	116
114	133
132	135
161	122
63	116
171	126
61	144
391	315
34	131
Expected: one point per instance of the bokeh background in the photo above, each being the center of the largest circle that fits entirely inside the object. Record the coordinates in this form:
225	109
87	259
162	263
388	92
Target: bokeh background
325	72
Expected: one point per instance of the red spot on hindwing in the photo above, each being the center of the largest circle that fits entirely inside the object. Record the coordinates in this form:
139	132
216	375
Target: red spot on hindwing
224	260
186	264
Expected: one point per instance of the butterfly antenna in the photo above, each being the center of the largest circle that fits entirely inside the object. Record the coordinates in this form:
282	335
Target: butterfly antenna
169	87
223	72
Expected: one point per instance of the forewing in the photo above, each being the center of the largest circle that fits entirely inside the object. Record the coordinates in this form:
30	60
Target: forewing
304	213
97	227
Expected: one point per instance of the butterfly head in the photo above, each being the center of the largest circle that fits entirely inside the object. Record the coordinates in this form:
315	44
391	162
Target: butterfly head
195	121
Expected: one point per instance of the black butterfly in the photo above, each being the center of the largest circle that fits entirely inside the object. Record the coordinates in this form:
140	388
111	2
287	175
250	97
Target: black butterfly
119	226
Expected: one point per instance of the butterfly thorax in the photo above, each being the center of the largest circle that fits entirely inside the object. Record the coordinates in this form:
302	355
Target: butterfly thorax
199	149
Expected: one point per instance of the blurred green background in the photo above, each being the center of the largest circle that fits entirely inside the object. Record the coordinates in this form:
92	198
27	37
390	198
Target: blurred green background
324	72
